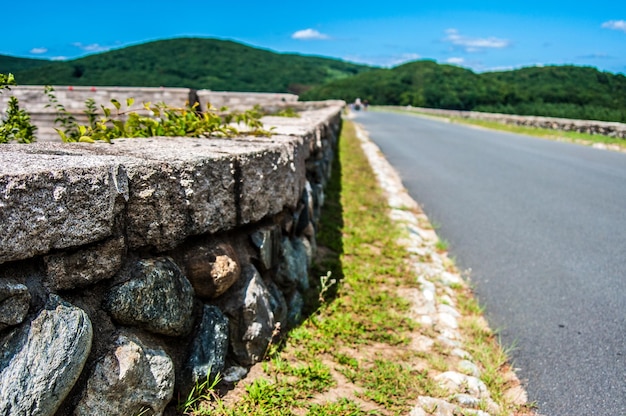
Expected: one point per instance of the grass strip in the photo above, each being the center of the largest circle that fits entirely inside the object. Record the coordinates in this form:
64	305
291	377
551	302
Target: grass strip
352	355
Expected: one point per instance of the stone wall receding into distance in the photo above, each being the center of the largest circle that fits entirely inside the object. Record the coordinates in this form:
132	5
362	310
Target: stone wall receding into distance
34	100
130	271
611	129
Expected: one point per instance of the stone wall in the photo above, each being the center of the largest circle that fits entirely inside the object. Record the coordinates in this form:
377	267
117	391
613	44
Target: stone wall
129	271
617	130
33	99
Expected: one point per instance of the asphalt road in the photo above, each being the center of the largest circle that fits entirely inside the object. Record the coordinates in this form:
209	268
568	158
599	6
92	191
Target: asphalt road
542	226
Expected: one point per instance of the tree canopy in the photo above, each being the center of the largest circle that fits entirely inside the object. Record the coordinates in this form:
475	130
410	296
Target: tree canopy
555	91
192	63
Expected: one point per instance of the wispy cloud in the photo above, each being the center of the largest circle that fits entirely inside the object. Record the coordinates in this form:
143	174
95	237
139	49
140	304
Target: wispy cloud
93	47
405	57
455	61
596	56
38	51
385	60
502	68
474	44
615	25
309	34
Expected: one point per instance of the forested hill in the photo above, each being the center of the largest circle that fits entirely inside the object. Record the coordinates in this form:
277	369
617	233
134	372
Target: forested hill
193	63
556	91
13	64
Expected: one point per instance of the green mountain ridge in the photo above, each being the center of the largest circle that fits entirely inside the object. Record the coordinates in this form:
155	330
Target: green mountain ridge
554	91
14	64
558	91
193	63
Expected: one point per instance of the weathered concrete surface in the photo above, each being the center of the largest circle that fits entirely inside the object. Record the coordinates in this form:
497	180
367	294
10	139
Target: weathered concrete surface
57	195
56	198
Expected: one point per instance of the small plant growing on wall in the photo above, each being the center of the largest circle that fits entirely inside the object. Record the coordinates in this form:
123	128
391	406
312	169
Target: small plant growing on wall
152	120
16	124
6	81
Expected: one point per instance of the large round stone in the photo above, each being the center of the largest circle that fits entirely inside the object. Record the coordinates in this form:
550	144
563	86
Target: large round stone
212	269
130	379
158	298
42	359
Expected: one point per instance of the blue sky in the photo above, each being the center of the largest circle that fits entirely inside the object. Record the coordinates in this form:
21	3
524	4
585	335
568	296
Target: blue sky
482	36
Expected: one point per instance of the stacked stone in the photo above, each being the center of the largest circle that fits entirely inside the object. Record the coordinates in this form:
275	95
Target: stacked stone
130	272
611	129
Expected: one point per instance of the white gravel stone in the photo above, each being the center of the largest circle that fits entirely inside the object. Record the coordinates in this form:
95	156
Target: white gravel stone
466	400
449	279
469	368
458	352
443	308
447	300
447	320
433	407
448	342
461	383
426	320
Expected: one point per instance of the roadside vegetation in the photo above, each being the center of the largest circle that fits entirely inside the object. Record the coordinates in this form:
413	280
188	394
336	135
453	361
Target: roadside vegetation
353	355
148	120
15	125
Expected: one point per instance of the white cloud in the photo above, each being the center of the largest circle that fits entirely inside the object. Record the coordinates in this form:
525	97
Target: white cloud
94	47
59	58
474	44
386	61
309	34
401	59
38	51
411	56
455	61
615	25
500	68
596	56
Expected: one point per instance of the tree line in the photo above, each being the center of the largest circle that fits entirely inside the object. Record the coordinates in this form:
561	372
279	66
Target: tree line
553	91
189	63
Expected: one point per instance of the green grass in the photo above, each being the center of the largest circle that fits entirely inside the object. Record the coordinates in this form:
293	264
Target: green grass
442	245
341	407
352	355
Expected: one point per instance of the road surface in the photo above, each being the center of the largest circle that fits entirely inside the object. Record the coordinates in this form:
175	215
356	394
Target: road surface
542	226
